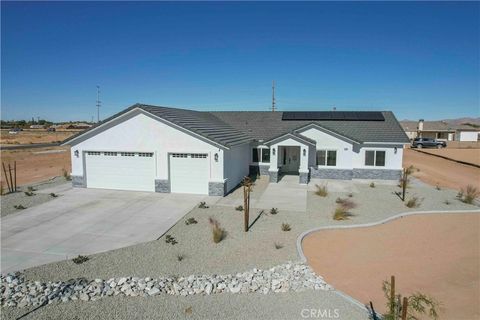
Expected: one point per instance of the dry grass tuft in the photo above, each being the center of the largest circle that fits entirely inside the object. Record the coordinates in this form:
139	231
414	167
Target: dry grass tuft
413	202
217	232
469	194
322	190
286	227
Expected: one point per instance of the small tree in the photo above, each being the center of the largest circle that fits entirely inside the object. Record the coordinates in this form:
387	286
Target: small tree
247	184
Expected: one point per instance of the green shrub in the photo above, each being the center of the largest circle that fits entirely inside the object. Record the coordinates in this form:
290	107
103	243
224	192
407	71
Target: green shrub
190	221
80	259
29	194
278	245
203	205
217	232
446	202
66	175
322	190
31	189
180	257
170	239
19	207
239	208
413	202
53	195
372	184
350	195
274	211
286	227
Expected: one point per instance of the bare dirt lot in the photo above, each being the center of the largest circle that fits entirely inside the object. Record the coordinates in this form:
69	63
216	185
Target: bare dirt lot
444	173
465	155
33	136
438	255
37	164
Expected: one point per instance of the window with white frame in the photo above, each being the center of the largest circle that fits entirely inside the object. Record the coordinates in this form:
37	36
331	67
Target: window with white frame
327	158
260	155
375	158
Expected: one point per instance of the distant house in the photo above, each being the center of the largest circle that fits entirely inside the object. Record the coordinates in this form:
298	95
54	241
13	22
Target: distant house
149	148
439	130
37	126
78	126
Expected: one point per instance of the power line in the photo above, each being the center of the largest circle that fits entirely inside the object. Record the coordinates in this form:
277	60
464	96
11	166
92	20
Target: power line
98	103
273	95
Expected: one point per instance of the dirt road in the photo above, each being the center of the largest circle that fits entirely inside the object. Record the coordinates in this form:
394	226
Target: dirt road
438	255
442	172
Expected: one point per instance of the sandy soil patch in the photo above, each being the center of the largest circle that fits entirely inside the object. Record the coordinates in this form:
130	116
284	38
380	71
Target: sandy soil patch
442	172
436	254
37	164
34	136
466	155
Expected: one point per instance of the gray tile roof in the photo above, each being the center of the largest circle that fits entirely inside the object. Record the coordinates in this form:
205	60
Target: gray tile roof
265	125
434	126
230	128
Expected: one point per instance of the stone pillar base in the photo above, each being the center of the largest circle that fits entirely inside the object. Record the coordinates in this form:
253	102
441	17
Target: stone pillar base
304	177
78	182
162	186
217	188
273	176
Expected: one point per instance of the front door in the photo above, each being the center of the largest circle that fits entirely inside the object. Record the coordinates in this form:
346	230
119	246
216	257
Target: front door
291	160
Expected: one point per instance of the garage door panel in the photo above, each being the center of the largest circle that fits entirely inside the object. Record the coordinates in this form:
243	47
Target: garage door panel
189	173
120	170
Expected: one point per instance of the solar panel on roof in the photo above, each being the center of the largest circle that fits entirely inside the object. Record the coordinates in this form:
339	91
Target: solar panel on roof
333	115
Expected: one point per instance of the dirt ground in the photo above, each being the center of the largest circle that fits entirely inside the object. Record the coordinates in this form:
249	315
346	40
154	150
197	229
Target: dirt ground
466	155
33	136
36	164
438	255
437	171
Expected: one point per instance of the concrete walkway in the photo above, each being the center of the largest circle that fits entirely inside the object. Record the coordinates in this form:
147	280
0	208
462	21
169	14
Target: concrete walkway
87	221
287	194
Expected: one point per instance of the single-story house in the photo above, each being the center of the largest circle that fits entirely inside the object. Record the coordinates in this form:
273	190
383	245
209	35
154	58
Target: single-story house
440	130
150	148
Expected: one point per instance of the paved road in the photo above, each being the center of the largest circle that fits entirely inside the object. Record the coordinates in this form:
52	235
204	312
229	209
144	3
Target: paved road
87	221
29	146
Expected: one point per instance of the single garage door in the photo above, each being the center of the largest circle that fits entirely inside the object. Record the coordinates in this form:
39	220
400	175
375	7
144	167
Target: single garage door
189	173
120	170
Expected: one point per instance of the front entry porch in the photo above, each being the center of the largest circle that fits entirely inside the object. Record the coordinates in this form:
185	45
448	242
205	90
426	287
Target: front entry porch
288	160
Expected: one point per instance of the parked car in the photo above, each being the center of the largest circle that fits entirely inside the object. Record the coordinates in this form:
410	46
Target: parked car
51	129
428	143
15	130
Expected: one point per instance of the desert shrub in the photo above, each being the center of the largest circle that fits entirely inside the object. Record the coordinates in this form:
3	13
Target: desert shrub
350	195
170	239
274	211
418	304
239	208
80	259
469	194
217	232
53	195
29	193
190	221
286	227
372	184
203	205
66	175
180	257
1	189
446	202
322	190
342	211
413	202
19	207
278	245
31	189
437	187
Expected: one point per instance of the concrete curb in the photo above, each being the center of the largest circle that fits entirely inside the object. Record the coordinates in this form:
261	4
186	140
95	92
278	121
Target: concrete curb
365	225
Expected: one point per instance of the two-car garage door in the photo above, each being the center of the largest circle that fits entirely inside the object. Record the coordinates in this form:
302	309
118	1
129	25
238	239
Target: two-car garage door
120	170
188	172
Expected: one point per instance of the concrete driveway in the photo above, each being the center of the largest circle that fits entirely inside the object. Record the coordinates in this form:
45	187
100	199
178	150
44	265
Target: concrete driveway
87	221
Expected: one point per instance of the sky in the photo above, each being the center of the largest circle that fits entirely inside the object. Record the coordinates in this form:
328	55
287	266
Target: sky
418	59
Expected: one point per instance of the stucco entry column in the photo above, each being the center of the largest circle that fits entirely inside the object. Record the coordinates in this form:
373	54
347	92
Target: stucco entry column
303	171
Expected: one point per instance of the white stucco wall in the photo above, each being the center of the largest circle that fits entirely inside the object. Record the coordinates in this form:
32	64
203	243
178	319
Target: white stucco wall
468	135
237	161
328	142
144	134
392	160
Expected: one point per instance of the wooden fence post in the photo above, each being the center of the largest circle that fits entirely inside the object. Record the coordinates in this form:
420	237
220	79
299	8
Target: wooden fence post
404	308
392	295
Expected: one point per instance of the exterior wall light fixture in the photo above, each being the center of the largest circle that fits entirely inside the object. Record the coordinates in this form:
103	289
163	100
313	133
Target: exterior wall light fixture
273	151
216	157
76	153
395	150
304	152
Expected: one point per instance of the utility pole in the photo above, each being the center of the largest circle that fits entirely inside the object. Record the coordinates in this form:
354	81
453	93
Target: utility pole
98	103
273	96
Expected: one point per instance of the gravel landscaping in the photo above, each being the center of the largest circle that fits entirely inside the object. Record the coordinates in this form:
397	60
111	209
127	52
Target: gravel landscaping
19	198
16	292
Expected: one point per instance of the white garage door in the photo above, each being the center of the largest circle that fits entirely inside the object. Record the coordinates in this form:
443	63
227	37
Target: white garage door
120	170
189	173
